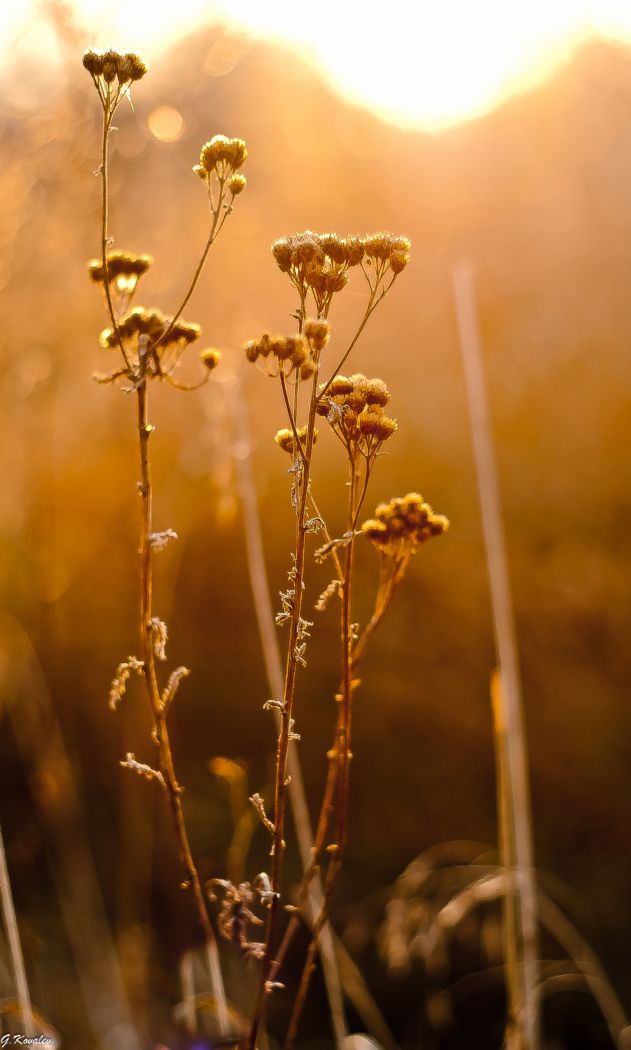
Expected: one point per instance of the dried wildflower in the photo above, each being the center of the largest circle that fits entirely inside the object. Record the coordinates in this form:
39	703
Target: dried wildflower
210	359
317	333
279	353
237	184
124	269
384	245
285	439
111	65
221	155
354	408
318	263
400	526
163	341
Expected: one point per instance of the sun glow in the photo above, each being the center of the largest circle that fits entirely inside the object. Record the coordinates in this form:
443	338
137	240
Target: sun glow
415	63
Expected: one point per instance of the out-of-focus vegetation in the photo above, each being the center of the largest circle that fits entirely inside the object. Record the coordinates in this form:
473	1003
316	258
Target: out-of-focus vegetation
536	197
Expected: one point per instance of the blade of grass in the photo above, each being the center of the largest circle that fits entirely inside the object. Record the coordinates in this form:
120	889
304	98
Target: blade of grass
519	814
15	945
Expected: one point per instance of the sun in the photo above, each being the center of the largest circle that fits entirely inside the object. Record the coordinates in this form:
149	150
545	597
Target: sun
416	63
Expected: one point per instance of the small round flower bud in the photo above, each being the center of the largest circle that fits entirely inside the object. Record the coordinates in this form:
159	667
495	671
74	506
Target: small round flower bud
318	333
137	68
377	392
281	250
210	359
93	62
237	184
110	66
398	261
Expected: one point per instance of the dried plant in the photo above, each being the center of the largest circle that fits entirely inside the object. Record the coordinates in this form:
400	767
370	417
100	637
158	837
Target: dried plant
319	266
150	345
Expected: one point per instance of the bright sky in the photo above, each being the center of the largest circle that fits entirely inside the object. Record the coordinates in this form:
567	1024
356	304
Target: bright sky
424	63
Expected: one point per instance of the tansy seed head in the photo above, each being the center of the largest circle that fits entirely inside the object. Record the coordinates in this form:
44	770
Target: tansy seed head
398	261
210	359
281	250
377	426
119	264
93	62
237	184
110	66
377	392
318	333
137	68
285	438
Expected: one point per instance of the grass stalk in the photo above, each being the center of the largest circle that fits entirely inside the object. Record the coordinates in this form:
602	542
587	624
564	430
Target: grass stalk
518	816
15	945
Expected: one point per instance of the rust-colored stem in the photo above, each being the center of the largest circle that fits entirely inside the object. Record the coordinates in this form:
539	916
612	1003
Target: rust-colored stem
160	730
269	966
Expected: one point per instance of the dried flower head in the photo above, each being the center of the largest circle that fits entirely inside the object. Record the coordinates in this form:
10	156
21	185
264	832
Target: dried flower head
164	341
387	251
354	408
400	526
317	333
124	269
318	263
275	353
237	183
221	155
210	358
285	439
107	66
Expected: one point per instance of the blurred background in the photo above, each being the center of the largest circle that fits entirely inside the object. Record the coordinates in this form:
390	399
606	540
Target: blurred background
499	142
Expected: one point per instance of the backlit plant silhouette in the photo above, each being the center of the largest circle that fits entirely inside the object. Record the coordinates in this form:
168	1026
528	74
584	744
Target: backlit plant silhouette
149	345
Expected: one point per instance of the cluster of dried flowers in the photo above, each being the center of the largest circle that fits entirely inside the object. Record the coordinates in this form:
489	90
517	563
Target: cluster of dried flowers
403	524
320	262
151	344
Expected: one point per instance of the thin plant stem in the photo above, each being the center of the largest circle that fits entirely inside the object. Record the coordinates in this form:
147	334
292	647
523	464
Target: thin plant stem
507	860
215	230
108	112
15	946
160	730
342	748
520	820
291	667
271	656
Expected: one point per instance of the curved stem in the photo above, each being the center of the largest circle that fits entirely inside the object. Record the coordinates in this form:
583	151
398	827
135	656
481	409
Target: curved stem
160	730
215	230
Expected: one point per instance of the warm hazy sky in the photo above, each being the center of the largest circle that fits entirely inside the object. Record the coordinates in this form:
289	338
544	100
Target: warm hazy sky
418	62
